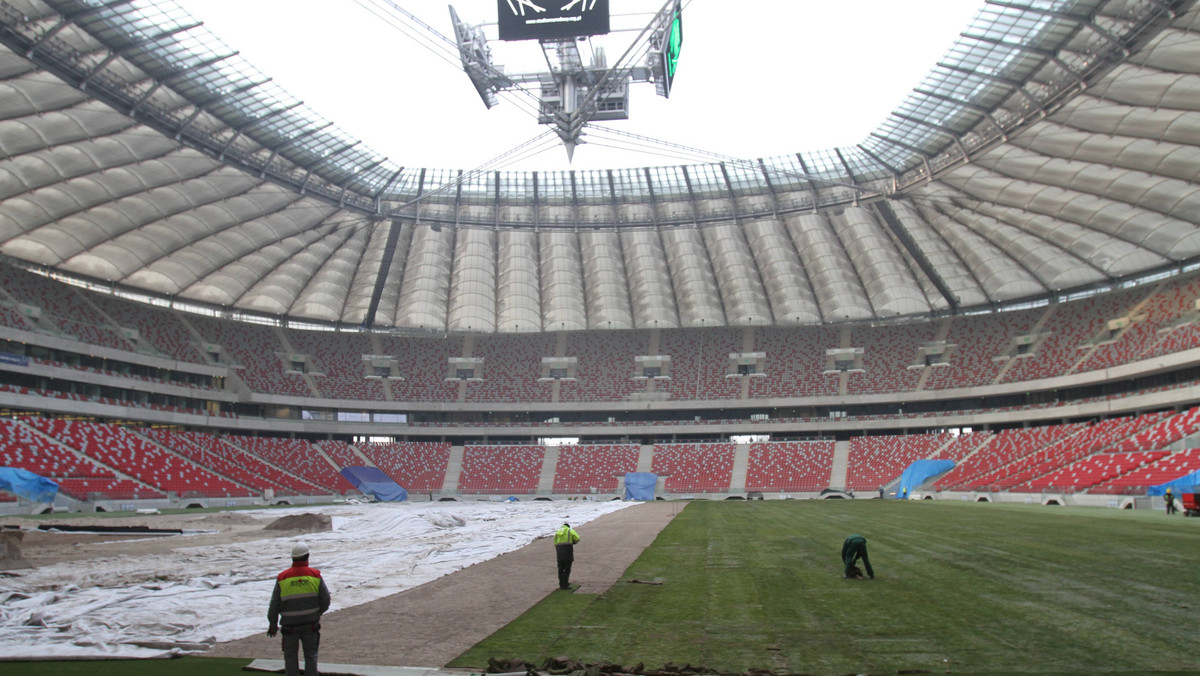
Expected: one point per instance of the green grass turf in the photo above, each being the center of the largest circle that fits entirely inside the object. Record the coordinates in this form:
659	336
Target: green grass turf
960	587
184	666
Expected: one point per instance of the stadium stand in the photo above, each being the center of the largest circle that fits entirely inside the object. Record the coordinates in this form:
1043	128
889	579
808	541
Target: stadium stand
230	461
789	466
511	366
605	368
257	349
77	475
986	466
699	361
139	458
423	364
417	466
694	468
501	469
1090	471
887	354
795	362
593	468
876	461
1167	468
299	457
63	307
338	359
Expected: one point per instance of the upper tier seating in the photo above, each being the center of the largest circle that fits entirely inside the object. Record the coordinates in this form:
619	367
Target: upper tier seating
605	367
795	362
417	466
699	361
162	329
694	468
1162	320
978	342
423	364
1166	322
258	350
1069	326
594	468
501	469
789	466
11	318
887	356
339	359
511	367
63	307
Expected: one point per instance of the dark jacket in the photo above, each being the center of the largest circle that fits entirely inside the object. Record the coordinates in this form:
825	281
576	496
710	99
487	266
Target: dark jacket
853	549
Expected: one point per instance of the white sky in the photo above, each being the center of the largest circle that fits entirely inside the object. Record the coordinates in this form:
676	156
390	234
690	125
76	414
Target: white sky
756	78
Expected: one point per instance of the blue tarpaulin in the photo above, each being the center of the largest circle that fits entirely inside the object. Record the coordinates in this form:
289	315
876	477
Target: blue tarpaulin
640	485
28	485
918	473
1184	484
372	481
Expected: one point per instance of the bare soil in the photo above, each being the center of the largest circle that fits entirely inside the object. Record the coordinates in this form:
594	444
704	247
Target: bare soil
46	548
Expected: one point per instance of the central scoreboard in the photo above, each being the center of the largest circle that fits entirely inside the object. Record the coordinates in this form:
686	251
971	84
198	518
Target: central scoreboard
551	19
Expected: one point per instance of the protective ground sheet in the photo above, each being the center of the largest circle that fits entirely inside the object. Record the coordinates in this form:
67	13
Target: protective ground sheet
189	598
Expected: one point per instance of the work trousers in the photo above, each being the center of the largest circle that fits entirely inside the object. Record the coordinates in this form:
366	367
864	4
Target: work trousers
564	574
306	636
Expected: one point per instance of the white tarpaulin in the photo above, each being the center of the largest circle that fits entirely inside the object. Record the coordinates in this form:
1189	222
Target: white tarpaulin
191	597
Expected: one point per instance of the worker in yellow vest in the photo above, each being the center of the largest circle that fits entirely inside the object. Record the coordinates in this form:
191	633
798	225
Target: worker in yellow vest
564	550
298	600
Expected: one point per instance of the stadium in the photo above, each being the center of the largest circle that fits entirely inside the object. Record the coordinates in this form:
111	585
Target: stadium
210	296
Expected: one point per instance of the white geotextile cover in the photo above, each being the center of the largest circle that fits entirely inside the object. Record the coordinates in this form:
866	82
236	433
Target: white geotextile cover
191	597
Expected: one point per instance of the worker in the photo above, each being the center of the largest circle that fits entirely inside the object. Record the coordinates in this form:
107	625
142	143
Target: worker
853	549
564	551
1170	502
298	600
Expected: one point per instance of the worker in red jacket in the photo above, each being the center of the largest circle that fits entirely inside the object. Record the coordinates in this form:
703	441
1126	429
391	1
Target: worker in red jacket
298	600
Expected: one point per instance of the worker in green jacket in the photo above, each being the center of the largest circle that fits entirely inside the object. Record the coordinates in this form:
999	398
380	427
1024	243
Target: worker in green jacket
853	549
564	550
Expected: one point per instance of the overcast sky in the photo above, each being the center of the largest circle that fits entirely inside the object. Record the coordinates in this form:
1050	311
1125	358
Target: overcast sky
756	77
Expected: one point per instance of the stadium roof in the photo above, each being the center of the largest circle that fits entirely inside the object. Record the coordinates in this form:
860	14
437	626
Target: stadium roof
1054	148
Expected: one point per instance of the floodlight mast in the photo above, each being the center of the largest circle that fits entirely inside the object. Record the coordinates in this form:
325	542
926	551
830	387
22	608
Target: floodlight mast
571	95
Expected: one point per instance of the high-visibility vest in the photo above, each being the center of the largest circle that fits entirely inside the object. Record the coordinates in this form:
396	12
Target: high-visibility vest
565	535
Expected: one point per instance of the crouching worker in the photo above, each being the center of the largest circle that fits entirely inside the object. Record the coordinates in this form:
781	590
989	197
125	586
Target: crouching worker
298	600
853	549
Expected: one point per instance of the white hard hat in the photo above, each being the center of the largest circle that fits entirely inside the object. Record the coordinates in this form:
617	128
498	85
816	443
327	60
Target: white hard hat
300	551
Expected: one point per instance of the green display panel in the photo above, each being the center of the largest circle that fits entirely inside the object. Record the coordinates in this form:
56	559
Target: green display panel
671	46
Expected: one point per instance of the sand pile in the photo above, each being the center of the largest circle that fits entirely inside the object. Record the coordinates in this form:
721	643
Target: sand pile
307	522
10	551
